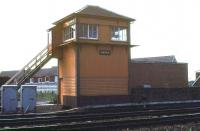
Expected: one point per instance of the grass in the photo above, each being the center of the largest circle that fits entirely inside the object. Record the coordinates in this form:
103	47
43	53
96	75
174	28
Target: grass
47	96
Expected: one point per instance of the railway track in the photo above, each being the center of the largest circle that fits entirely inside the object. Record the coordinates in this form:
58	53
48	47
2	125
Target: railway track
86	120
121	123
118	108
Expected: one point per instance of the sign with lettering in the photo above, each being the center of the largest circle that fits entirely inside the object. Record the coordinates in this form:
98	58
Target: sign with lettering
104	50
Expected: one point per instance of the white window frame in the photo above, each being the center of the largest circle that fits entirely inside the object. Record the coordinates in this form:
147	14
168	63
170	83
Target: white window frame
31	80
69	33
56	79
47	77
88	31
39	80
122	35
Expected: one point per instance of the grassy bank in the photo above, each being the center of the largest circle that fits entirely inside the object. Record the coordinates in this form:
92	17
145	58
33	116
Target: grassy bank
47	96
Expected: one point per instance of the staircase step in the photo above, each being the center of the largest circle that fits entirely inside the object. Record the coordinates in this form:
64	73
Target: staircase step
31	68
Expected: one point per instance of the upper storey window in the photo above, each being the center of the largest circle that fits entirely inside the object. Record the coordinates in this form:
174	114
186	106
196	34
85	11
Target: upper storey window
119	33
69	32
88	31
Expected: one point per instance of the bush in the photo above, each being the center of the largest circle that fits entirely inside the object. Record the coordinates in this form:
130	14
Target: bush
48	96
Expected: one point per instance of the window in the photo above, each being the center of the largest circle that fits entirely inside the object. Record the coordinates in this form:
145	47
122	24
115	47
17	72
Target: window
31	80
39	80
56	79
69	32
119	34
88	31
46	79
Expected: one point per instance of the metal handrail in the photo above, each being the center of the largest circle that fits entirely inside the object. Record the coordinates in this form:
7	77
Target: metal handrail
197	79
33	70
29	65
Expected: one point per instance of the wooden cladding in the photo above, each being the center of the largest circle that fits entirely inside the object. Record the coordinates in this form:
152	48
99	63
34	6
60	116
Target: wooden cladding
104	50
103	75
94	65
91	67
91	86
69	86
101	33
67	72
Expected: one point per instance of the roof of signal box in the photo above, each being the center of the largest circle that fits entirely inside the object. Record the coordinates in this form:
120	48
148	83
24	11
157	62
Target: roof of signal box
91	10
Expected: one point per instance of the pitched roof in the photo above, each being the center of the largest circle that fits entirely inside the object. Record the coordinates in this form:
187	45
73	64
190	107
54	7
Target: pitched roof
8	73
46	72
96	11
40	73
159	59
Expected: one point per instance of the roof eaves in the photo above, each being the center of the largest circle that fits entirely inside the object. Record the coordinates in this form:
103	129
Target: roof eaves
79	12
114	15
123	17
66	17
51	28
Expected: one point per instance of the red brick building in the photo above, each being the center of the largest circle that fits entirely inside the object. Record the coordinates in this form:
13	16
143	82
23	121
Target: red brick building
158	72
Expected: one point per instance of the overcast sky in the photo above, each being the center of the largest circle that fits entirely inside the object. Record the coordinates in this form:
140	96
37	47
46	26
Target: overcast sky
162	27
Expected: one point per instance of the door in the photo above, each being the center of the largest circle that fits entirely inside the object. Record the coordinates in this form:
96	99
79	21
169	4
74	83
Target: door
9	98
28	98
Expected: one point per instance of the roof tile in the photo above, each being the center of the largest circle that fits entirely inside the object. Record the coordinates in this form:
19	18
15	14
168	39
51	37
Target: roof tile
96	11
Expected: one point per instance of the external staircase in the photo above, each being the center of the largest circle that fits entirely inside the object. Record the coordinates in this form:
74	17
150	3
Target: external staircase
31	68
196	81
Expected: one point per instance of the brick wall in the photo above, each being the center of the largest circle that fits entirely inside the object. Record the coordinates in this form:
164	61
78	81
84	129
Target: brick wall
164	94
158	75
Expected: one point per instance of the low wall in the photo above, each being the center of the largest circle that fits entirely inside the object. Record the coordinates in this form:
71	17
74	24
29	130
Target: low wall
164	94
138	95
48	108
103	100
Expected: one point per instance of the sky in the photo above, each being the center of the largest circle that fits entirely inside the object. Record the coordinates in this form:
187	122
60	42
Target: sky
162	27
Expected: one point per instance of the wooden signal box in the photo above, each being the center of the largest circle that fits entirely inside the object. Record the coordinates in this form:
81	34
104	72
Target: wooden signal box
92	46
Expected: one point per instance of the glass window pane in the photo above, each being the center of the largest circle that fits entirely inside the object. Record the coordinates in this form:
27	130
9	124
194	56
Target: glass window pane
119	34
80	33
85	30
125	35
93	31
74	31
115	33
90	31
69	32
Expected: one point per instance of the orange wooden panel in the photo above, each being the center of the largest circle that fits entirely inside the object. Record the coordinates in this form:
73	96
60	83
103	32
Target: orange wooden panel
100	21
95	65
67	71
103	86
104	29
103	75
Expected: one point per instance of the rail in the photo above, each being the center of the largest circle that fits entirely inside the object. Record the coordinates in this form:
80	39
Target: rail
102	120
31	67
